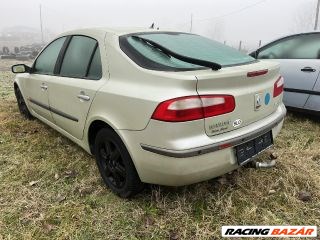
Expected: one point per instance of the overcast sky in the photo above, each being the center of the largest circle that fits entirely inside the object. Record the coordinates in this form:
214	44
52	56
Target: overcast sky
224	20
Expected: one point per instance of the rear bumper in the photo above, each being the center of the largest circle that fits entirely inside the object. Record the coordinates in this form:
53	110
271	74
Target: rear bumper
235	140
195	163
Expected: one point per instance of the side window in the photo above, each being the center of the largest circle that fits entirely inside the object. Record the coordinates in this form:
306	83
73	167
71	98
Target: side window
46	61
95	70
298	47
309	47
77	57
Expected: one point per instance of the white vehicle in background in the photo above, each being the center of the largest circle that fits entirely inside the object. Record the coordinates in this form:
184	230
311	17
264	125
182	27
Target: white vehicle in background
154	107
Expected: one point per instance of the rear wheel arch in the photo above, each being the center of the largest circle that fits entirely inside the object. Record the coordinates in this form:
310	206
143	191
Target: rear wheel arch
115	164
93	130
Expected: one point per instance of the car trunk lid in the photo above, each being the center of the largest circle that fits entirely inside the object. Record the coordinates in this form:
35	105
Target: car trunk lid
252	86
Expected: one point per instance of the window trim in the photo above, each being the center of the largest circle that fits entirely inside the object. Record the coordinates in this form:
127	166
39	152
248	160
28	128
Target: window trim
282	40
32	71
61	55
142	61
146	63
91	58
90	61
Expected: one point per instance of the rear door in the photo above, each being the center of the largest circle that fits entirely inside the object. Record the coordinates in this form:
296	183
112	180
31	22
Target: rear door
36	87
300	65
72	92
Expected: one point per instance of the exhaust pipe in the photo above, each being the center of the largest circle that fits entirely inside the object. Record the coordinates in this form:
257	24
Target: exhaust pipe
265	164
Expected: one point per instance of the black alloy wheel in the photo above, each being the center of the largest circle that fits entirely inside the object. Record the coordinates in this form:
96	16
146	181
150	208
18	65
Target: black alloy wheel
112	164
115	164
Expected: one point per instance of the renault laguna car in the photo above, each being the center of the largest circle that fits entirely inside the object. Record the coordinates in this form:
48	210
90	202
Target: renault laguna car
157	107
298	56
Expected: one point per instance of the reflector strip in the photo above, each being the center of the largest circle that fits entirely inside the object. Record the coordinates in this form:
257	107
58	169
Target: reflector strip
257	73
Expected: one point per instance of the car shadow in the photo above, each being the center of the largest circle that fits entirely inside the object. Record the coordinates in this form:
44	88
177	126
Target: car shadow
304	116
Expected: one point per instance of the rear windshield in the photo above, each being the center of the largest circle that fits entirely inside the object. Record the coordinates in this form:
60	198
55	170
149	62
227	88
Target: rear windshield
189	45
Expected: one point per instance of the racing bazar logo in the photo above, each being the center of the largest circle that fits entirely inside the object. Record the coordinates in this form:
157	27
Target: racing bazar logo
269	231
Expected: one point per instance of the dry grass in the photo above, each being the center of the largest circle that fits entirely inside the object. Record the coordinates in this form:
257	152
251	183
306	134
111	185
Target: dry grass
51	189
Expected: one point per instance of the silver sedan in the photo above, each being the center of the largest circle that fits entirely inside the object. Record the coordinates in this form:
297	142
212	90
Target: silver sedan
299	56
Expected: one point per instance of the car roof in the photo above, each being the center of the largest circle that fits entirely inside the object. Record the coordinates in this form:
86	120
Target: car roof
103	30
287	36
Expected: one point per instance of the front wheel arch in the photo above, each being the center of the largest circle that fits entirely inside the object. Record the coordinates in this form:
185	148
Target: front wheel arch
23	108
15	86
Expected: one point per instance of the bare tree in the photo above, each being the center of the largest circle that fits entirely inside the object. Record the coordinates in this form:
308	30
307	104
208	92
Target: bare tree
304	17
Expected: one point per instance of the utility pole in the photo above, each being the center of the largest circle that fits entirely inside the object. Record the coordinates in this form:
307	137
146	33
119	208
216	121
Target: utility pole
240	45
317	16
41	25
191	22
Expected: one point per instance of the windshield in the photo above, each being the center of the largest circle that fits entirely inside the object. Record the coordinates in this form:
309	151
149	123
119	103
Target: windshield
189	45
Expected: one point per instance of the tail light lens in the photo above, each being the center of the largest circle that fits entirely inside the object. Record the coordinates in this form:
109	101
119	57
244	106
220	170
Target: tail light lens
193	107
278	87
257	73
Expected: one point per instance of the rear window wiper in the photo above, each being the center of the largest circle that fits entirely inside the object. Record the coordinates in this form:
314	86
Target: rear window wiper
152	45
168	52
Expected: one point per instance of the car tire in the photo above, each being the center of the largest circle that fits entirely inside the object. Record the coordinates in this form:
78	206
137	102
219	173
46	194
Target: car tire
115	164
22	105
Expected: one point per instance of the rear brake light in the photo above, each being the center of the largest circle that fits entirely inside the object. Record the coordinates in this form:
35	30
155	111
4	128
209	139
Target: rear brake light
257	73
278	87
193	107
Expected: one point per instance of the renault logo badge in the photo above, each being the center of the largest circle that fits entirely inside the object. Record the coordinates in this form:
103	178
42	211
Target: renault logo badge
257	102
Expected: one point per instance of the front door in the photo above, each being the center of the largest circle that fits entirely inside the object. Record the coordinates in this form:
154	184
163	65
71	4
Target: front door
37	87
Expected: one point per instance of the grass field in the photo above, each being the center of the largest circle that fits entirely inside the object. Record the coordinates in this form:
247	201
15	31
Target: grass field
51	189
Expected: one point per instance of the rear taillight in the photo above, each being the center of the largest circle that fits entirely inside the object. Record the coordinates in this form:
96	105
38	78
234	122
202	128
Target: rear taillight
278	87
217	105
193	107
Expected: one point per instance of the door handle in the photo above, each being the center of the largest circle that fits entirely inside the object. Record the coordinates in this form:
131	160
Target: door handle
83	97
308	69
43	87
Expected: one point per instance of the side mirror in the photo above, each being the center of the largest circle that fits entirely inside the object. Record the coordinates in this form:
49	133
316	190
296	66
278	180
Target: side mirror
20	68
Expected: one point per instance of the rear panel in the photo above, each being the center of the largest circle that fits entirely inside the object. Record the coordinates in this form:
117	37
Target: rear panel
253	95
